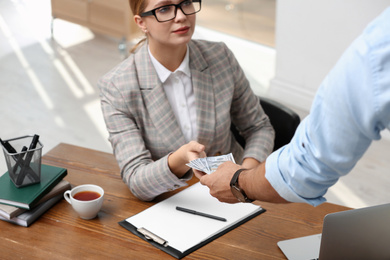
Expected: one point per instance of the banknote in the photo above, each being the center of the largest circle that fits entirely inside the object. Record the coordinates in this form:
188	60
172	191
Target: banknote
210	164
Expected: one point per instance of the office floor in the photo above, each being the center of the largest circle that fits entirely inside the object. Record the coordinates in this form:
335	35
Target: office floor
48	87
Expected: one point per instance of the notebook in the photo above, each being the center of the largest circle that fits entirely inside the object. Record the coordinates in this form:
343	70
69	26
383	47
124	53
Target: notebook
354	234
28	197
9	212
30	216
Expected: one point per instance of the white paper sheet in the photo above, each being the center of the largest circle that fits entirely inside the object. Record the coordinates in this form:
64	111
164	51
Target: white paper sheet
183	230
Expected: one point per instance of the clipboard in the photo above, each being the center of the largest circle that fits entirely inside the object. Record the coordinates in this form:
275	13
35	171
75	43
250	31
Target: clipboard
152	226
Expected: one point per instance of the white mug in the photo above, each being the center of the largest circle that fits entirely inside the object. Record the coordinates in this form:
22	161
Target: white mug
88	201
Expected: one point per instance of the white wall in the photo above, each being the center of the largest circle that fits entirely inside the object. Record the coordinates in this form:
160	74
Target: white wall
310	37
257	61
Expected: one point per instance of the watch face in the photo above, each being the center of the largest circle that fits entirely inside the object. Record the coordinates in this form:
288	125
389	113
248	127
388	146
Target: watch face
237	193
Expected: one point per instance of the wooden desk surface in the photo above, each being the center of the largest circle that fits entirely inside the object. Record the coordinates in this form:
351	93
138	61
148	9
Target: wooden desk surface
61	234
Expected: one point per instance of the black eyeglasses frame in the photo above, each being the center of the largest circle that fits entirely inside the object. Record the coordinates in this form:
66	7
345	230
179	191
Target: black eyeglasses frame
153	11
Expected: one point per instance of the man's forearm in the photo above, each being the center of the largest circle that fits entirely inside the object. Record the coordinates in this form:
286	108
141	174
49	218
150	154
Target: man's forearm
257	187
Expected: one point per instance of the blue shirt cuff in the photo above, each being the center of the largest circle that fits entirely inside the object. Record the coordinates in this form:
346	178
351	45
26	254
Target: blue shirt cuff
275	178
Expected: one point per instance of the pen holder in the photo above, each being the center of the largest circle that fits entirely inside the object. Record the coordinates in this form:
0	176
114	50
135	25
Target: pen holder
24	165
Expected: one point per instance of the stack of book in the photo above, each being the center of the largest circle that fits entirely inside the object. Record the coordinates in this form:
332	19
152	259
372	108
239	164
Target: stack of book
24	205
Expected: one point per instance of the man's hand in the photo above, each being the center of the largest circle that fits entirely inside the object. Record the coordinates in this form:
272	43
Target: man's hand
219	182
252	181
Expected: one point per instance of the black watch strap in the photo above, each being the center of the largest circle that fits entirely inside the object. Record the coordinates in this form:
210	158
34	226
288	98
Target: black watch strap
234	185
234	179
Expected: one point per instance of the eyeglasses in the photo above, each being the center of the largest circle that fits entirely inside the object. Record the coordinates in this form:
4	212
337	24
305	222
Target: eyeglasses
168	12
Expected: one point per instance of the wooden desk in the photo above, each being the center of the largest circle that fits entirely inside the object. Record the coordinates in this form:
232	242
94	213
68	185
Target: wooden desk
61	234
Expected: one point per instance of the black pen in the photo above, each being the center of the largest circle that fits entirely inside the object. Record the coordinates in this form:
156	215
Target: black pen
8	147
25	166
200	213
30	153
20	163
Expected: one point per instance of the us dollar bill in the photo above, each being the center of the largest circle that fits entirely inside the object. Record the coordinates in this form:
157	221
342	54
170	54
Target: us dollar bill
210	164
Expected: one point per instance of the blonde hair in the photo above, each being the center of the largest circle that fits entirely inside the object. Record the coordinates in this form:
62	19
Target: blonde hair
138	7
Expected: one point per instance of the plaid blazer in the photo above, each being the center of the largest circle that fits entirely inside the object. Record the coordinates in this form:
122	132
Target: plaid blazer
143	129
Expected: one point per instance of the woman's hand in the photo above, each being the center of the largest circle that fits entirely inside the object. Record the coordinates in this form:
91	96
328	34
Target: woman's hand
177	160
194	151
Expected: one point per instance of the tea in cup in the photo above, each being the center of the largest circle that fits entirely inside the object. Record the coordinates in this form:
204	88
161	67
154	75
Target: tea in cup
86	200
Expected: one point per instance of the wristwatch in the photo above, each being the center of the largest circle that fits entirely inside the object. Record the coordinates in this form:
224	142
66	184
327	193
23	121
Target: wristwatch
235	188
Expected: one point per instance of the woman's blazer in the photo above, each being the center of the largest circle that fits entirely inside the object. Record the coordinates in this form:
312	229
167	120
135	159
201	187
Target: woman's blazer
143	129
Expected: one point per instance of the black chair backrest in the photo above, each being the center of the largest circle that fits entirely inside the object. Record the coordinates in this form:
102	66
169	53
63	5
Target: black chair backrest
284	120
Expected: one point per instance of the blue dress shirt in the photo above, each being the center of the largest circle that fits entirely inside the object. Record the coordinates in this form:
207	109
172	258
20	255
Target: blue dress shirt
350	110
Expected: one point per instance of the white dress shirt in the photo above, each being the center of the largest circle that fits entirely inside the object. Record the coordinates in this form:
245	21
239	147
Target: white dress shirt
180	94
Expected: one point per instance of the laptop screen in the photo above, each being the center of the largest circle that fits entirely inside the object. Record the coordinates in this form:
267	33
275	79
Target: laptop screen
354	234
357	234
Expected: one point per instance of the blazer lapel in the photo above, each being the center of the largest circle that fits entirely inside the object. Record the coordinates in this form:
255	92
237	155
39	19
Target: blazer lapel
157	103
204	95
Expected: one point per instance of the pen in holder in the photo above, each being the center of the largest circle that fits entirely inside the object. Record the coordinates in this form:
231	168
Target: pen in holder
24	167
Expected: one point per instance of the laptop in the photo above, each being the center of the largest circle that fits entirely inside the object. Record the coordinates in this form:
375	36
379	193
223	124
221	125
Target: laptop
353	234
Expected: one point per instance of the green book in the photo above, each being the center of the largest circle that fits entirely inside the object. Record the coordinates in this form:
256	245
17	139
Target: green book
8	211
27	197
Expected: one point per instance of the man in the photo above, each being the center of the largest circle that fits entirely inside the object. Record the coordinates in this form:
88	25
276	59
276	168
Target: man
350	110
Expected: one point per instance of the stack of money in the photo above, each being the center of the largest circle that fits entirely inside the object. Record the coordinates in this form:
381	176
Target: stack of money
210	164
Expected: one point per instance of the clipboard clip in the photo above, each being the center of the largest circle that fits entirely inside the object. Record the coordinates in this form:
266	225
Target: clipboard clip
150	236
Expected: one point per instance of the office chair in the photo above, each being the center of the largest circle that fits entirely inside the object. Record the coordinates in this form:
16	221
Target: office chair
284	120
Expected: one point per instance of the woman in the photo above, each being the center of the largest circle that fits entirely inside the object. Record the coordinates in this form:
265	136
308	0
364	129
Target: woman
173	101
